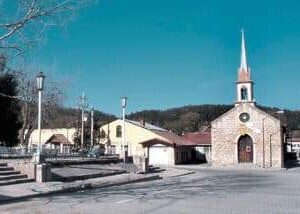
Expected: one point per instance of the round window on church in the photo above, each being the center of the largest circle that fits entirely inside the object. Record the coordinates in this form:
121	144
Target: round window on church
244	117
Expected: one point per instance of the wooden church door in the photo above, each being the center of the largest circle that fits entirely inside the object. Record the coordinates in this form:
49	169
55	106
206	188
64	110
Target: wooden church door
245	149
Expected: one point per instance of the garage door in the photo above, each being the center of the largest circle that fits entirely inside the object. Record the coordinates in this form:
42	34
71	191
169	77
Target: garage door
158	155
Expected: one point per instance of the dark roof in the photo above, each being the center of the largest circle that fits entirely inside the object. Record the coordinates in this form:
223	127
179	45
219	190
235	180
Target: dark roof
146	125
174	138
198	138
294	134
58	138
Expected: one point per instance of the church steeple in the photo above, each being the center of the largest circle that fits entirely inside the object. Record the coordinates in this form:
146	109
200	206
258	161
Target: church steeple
244	83
243	65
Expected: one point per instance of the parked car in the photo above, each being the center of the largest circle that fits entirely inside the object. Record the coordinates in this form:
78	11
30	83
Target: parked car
96	151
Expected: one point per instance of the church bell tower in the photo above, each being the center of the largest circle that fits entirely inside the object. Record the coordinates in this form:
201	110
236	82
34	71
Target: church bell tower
244	84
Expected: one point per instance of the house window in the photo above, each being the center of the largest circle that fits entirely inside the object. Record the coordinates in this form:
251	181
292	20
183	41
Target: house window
119	131
244	93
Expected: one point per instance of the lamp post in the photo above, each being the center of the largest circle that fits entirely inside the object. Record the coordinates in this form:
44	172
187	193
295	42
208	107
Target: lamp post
40	86
92	127
83	104
124	104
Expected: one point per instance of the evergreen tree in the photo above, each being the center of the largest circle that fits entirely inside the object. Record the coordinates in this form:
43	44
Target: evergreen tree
9	109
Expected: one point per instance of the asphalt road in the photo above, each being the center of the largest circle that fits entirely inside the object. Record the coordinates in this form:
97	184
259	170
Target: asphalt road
206	191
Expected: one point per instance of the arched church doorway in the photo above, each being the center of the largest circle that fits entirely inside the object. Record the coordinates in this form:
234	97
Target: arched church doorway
245	149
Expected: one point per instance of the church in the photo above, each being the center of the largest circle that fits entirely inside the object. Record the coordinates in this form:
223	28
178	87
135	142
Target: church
245	135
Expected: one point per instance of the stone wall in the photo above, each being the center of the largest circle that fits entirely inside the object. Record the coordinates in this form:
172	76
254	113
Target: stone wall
39	172
264	130
25	166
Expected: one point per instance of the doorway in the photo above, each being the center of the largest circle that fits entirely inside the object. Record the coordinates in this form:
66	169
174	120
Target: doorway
245	149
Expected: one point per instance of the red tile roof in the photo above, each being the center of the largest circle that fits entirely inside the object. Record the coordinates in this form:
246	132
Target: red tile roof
170	138
198	138
174	138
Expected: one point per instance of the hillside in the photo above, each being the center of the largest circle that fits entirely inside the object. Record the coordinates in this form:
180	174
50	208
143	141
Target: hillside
187	118
70	117
192	117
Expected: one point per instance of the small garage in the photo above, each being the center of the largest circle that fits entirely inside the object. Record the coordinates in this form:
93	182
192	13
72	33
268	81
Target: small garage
160	154
168	150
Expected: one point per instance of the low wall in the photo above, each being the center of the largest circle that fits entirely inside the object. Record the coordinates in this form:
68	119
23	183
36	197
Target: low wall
25	166
142	163
79	161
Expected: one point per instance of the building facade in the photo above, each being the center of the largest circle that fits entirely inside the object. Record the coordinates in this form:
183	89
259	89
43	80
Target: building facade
62	138
293	142
246	135
201	141
142	139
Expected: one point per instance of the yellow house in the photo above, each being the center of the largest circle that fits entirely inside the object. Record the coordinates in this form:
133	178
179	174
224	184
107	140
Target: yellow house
144	139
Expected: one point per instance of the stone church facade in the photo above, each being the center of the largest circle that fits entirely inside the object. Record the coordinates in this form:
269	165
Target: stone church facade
246	135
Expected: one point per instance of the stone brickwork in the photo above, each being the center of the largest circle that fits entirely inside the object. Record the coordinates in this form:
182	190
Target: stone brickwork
264	129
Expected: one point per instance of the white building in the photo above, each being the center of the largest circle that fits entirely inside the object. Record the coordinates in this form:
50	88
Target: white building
293	142
61	138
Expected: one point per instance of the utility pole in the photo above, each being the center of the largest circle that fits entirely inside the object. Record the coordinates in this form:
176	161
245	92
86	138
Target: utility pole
83	104
92	126
124	147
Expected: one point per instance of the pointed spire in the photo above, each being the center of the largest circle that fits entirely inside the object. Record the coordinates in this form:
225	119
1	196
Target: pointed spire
243	54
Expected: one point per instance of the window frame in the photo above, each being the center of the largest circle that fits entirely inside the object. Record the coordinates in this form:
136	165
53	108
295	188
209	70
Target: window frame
119	131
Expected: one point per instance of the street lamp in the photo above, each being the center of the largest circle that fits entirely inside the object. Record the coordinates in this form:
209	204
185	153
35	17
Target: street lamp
124	104
83	104
92	127
40	86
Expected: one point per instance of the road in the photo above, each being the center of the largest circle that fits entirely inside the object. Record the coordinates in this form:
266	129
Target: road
206	191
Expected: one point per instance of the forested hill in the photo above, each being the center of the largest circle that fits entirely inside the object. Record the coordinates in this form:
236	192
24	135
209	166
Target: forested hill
192	117
186	118
70	117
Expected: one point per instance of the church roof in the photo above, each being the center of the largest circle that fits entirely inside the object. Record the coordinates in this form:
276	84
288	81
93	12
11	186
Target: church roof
248	105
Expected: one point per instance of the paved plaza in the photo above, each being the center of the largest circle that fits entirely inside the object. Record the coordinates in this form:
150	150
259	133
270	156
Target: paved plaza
206	191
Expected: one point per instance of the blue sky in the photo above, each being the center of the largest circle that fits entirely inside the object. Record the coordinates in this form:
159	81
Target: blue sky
170	53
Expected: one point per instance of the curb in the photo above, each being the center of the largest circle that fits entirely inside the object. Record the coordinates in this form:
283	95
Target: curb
183	174
81	187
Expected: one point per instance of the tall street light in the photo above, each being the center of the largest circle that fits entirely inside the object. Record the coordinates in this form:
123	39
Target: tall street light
92	127
40	86
83	104
124	104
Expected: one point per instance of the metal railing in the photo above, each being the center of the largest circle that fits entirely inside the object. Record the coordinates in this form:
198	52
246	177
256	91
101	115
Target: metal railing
53	154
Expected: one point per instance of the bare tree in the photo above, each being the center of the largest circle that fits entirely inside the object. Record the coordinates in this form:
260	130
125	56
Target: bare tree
52	96
22	22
